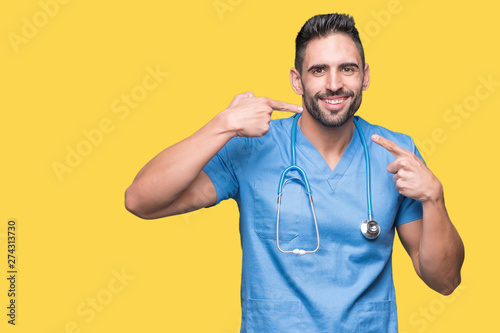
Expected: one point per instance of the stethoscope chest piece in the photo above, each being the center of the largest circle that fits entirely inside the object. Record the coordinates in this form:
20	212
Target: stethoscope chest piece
370	229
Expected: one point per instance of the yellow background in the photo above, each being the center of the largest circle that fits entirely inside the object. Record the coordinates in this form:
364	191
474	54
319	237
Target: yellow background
74	234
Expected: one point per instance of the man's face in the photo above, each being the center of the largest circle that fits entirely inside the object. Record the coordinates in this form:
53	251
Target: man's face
332	79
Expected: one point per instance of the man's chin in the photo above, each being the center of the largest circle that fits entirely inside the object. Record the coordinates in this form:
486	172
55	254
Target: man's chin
335	119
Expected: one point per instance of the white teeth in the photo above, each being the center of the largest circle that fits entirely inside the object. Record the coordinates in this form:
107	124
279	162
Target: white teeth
334	101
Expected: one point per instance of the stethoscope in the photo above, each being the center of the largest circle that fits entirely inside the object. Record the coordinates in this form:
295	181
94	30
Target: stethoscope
369	228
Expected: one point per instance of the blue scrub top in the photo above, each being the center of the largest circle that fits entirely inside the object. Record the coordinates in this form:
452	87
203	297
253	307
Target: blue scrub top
347	285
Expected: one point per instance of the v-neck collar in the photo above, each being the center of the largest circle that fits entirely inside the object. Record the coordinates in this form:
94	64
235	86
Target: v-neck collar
315	157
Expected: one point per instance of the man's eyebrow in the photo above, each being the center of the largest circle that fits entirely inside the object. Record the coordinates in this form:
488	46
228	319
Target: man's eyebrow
318	66
323	66
349	64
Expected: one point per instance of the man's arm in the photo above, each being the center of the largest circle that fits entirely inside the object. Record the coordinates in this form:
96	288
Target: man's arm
173	182
432	242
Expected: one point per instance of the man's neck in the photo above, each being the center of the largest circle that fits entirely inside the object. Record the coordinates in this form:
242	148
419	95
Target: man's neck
331	142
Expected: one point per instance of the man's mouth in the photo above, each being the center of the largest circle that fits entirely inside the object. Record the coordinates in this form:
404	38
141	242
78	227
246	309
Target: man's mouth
334	103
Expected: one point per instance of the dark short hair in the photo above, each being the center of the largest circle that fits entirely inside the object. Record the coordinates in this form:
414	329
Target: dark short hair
323	26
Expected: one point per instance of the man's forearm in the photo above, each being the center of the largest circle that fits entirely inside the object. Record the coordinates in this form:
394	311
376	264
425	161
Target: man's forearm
168	174
441	251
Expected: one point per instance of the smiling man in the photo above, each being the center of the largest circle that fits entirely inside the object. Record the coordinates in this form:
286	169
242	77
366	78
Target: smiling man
341	281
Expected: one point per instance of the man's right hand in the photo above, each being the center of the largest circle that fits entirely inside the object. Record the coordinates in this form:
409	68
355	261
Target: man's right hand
249	116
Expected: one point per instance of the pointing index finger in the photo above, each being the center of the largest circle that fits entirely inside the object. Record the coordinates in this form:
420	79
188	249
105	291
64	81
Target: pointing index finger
283	106
393	148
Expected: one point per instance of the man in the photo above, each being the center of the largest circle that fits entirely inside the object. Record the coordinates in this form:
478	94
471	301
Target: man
346	285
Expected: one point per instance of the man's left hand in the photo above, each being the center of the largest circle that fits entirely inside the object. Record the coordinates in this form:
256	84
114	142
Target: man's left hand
412	177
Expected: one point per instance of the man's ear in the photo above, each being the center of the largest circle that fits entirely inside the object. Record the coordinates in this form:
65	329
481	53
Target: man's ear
366	77
296	81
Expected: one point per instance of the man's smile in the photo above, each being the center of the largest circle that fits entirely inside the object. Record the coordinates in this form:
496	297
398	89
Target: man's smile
334	103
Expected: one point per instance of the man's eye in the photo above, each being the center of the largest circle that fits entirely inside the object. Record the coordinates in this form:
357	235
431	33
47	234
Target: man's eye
318	71
348	70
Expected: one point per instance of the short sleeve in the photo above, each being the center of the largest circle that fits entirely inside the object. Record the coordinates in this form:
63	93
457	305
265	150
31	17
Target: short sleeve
222	169
410	209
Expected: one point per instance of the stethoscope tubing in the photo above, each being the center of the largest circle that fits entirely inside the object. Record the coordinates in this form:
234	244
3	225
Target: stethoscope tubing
369	228
368	171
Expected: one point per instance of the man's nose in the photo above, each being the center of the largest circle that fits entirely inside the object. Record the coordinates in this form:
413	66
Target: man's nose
334	81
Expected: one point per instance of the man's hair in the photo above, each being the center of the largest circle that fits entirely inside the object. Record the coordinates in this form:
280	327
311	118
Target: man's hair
323	26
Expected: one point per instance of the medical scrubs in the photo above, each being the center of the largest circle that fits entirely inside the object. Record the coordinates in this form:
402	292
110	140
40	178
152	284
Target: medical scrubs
347	285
